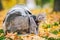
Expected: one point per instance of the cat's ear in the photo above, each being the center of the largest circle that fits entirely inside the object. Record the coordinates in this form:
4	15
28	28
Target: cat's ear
41	17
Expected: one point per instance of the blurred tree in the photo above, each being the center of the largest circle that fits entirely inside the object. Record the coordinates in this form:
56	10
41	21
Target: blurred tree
30	4
1	7
56	5
42	2
38	3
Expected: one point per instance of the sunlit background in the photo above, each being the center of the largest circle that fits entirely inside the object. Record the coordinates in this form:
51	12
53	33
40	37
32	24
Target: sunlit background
47	29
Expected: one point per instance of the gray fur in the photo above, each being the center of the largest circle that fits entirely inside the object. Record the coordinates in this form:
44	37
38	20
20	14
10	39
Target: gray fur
21	22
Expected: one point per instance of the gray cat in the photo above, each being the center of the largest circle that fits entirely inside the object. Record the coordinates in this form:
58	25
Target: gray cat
20	20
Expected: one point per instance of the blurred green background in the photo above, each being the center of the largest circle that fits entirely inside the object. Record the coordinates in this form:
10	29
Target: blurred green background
29	3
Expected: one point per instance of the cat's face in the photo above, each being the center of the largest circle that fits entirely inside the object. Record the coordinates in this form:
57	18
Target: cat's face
41	17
